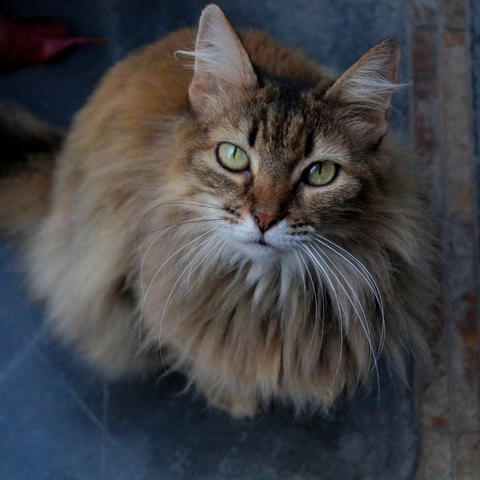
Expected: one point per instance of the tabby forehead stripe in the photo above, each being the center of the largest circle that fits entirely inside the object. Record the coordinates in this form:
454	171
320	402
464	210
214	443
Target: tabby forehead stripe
252	137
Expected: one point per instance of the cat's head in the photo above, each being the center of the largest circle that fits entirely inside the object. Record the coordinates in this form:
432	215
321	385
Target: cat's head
279	160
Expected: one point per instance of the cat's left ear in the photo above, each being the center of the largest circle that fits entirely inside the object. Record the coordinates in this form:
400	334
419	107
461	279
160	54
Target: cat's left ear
222	65
364	91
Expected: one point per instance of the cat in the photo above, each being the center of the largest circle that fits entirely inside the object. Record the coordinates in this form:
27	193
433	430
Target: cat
223	208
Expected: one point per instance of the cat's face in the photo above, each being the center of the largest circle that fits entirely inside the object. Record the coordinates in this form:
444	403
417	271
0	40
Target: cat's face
277	170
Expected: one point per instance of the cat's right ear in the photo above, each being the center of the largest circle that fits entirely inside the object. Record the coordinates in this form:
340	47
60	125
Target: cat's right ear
364	91
222	65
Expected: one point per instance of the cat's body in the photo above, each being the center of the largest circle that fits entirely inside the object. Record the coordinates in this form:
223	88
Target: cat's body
259	280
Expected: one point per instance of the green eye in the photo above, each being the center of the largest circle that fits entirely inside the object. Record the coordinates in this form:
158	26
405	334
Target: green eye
232	157
320	174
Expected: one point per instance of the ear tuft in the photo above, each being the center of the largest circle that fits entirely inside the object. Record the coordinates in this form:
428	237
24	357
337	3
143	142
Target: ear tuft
221	61
366	88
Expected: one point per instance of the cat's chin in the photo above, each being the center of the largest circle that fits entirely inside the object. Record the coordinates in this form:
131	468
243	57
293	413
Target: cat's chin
259	250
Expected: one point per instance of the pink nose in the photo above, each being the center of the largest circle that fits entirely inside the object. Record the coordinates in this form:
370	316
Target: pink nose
265	221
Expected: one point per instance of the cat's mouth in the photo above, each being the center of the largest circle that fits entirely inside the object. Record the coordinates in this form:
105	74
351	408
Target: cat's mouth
259	248
261	243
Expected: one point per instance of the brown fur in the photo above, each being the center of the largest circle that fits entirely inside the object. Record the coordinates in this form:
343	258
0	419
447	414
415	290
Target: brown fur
134	274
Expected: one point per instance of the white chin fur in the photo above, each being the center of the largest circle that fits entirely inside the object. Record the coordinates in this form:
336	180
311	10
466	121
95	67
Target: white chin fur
258	251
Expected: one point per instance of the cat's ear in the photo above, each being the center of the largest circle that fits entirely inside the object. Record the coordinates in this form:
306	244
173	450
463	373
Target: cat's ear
364	91
222	64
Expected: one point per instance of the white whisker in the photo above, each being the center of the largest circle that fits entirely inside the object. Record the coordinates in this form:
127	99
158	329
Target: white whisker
165	230
365	274
172	290
145	293
363	322
215	257
341	308
314	290
204	245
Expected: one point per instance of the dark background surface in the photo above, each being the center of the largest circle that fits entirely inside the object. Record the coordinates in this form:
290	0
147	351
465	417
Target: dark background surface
60	421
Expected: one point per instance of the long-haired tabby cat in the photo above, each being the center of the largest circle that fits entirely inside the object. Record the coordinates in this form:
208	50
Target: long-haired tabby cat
223	208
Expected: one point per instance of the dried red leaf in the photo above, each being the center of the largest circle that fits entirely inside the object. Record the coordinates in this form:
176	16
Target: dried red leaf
34	40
